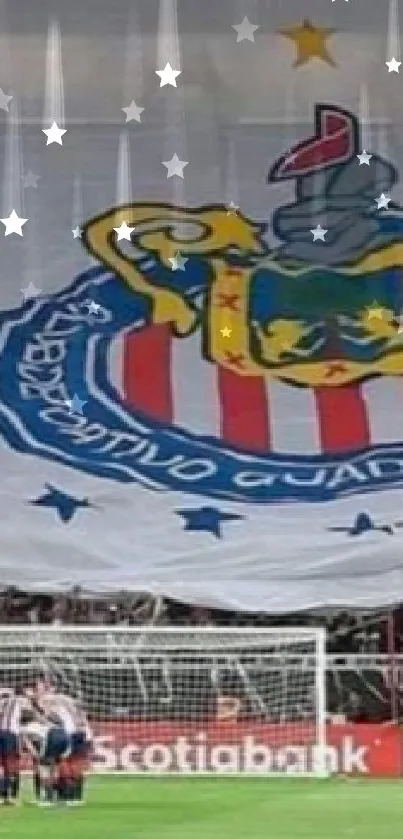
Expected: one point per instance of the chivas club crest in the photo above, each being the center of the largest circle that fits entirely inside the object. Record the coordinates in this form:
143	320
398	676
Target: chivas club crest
232	370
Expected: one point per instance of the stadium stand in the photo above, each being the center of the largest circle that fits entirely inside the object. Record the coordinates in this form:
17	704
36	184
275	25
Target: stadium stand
358	683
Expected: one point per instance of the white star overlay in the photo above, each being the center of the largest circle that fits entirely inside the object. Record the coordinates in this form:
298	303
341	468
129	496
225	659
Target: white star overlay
93	308
168	75
124	232
364	157
133	112
393	65
4	100
13	224
30	292
318	234
383	201
54	134
77	232
178	262
30	180
175	166
75	405
245	30
232	209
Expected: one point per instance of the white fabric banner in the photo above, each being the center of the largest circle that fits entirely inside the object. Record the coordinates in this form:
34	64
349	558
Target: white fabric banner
201	337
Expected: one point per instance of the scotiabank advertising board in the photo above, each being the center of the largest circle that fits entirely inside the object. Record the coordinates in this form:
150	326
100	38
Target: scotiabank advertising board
257	748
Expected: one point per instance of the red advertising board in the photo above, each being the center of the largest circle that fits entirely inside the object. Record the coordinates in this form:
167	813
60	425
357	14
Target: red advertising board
245	747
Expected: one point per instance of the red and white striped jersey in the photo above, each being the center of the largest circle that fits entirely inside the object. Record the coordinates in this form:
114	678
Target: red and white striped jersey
6	692
34	736
64	709
11	710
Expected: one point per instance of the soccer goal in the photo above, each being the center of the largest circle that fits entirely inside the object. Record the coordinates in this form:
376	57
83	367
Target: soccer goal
185	700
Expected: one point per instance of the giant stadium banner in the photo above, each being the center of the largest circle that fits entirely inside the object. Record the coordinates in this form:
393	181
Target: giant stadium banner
201	392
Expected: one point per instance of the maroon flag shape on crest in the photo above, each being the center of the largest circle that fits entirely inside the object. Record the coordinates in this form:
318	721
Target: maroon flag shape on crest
335	141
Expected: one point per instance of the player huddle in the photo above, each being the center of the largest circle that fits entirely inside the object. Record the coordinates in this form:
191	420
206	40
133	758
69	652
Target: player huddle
54	730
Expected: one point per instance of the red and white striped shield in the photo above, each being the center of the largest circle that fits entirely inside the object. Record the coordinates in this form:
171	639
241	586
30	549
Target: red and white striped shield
167	379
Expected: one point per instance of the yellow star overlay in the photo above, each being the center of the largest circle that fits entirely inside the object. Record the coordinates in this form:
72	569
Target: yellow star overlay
278	337
225	332
375	311
310	41
379	321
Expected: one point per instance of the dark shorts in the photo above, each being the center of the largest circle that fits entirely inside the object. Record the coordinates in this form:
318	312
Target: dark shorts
57	746
9	745
79	744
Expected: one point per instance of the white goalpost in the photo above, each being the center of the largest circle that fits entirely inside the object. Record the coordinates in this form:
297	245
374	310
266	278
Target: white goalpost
185	700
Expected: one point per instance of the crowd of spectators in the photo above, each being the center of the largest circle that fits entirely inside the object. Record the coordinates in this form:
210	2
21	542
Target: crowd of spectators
358	632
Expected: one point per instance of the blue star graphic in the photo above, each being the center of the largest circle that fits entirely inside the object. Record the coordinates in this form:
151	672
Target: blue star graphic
207	519
363	523
65	505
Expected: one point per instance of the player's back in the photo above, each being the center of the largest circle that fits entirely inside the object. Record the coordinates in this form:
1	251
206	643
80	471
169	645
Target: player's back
62	710
12	708
34	736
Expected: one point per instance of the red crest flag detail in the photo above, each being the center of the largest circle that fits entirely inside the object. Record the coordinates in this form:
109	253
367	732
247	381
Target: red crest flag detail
334	143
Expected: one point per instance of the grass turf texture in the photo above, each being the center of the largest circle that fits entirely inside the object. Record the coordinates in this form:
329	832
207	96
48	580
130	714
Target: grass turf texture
218	808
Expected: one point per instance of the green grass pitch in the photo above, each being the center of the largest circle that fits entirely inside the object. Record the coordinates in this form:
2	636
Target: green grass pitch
217	808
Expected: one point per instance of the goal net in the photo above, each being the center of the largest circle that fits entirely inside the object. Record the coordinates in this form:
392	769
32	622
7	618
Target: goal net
183	700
